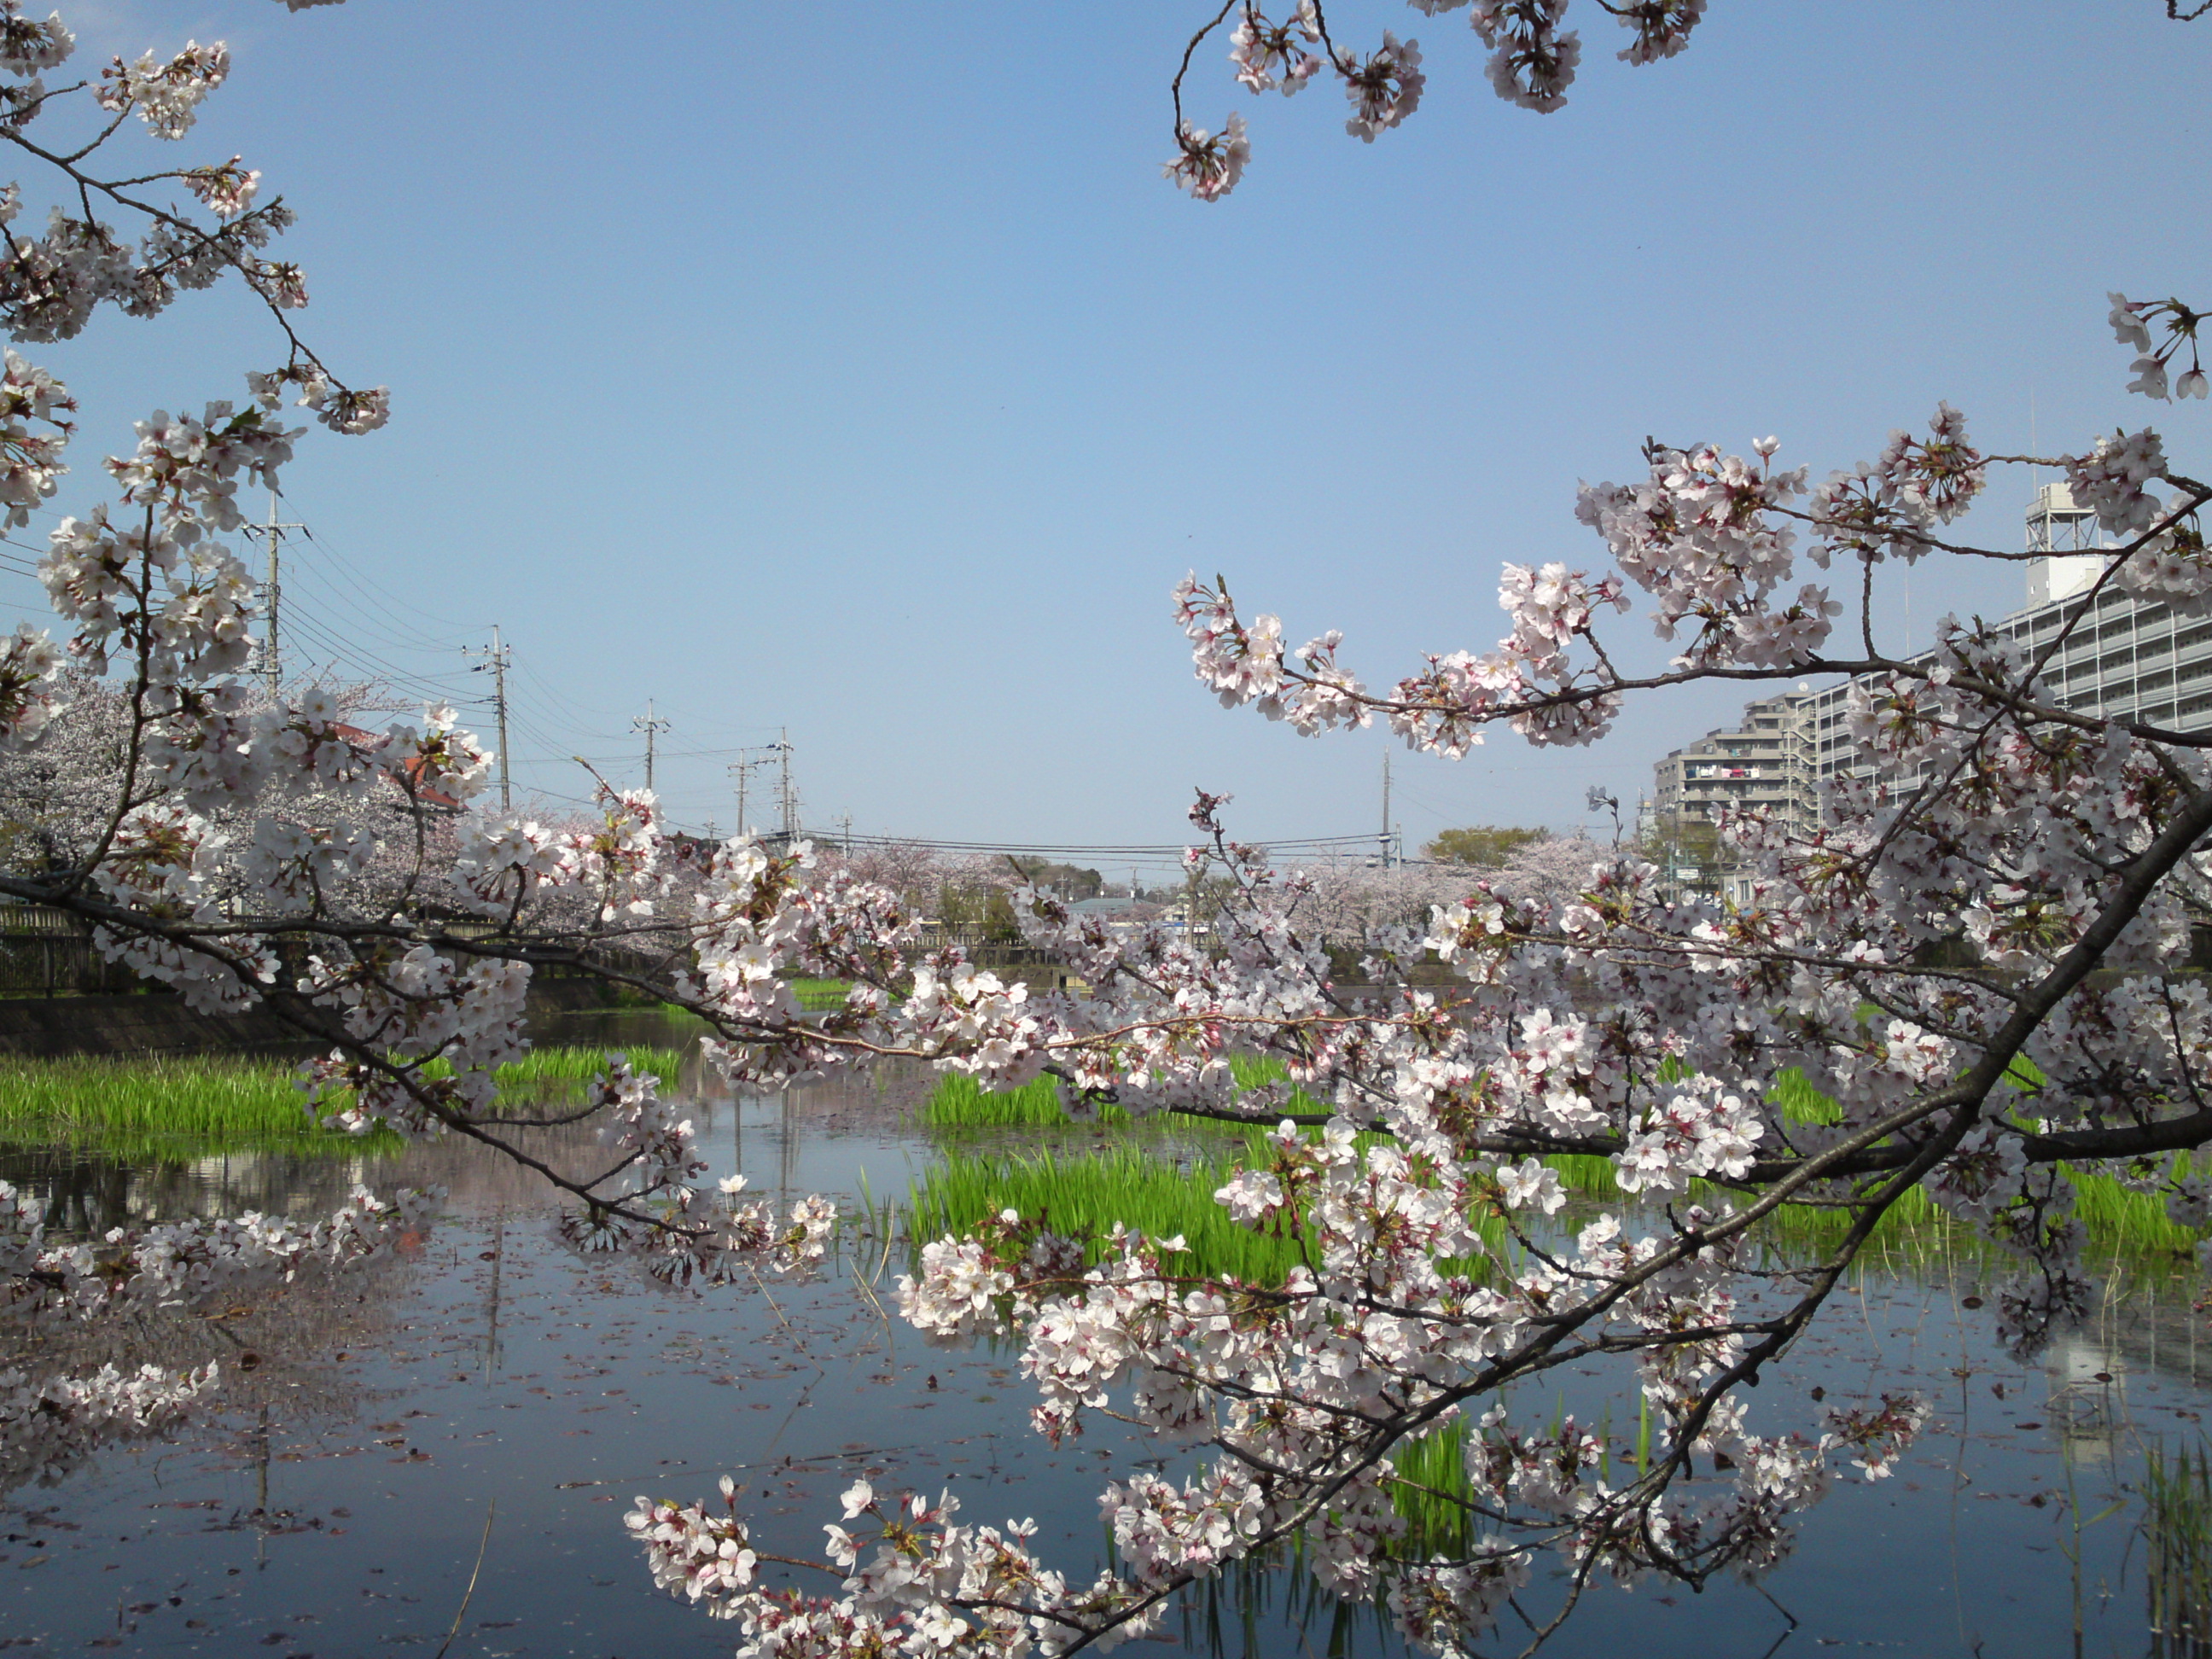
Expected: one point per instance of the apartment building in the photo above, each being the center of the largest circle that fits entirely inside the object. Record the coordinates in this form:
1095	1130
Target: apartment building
2123	656
1766	760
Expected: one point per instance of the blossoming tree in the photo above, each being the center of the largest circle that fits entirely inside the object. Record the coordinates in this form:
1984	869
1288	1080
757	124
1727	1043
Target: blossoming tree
1436	1267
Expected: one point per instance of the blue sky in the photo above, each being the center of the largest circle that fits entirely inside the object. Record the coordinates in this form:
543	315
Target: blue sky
850	369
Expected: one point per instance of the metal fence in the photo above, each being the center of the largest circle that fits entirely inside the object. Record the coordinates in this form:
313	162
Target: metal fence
41	964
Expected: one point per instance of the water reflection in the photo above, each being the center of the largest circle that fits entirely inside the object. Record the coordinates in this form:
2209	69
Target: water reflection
337	1503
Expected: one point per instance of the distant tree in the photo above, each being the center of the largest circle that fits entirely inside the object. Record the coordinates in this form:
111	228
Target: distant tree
1486	845
1067	880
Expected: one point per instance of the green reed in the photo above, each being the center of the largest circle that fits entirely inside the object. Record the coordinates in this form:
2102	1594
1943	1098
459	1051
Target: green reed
2177	1493
1085	1196
555	1066
2116	1216
210	1104
1156	1184
1432	1500
819	995
960	1102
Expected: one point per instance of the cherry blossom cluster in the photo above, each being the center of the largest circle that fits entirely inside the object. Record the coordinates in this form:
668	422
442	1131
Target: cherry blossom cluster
933	1586
166	96
30	459
1271	57
1533	62
50	285
29	662
2132	321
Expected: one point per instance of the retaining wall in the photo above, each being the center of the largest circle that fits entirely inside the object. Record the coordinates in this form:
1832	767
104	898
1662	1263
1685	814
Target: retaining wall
159	1022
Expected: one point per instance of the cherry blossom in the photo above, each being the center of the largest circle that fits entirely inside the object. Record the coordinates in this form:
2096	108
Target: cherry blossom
1384	87
1208	165
1272	55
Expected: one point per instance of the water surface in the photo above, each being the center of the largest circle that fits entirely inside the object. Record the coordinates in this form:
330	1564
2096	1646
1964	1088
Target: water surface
485	1408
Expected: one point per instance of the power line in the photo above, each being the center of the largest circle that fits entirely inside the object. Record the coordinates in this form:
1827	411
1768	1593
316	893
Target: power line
1362	843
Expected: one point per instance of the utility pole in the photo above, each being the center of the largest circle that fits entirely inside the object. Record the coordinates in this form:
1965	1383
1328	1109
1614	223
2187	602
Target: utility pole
742	770
790	805
496	660
271	664
649	726
848	821
1386	809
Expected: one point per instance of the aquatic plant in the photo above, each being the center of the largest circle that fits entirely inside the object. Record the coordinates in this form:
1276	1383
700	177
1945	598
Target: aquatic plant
2177	1525
206	1103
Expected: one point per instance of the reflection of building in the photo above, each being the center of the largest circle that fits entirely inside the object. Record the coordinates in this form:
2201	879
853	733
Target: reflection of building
2087	1396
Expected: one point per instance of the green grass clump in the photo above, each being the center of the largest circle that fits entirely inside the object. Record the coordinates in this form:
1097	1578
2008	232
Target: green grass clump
202	1095
574	1065
1141	1184
2176	1526
204	1104
960	1102
1083	1197
820	995
1435	1524
2116	1217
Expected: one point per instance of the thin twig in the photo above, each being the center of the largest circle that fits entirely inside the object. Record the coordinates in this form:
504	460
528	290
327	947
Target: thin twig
491	1508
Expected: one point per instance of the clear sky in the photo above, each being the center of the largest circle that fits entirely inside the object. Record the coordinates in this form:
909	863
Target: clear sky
850	369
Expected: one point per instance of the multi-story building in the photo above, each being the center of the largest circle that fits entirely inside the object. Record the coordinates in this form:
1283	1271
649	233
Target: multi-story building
2123	656
1765	760
2128	656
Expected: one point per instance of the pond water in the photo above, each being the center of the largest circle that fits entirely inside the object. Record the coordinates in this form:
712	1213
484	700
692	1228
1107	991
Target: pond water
443	1448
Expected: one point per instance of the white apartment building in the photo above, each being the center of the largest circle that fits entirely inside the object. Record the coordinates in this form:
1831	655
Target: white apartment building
2130	657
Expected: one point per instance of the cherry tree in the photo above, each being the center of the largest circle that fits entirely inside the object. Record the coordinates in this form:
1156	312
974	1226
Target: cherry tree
1579	1014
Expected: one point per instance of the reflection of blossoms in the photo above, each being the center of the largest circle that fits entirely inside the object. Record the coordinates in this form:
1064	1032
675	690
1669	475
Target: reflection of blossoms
50	1425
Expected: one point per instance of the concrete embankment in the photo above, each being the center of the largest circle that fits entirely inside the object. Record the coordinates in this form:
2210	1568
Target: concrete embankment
160	1023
